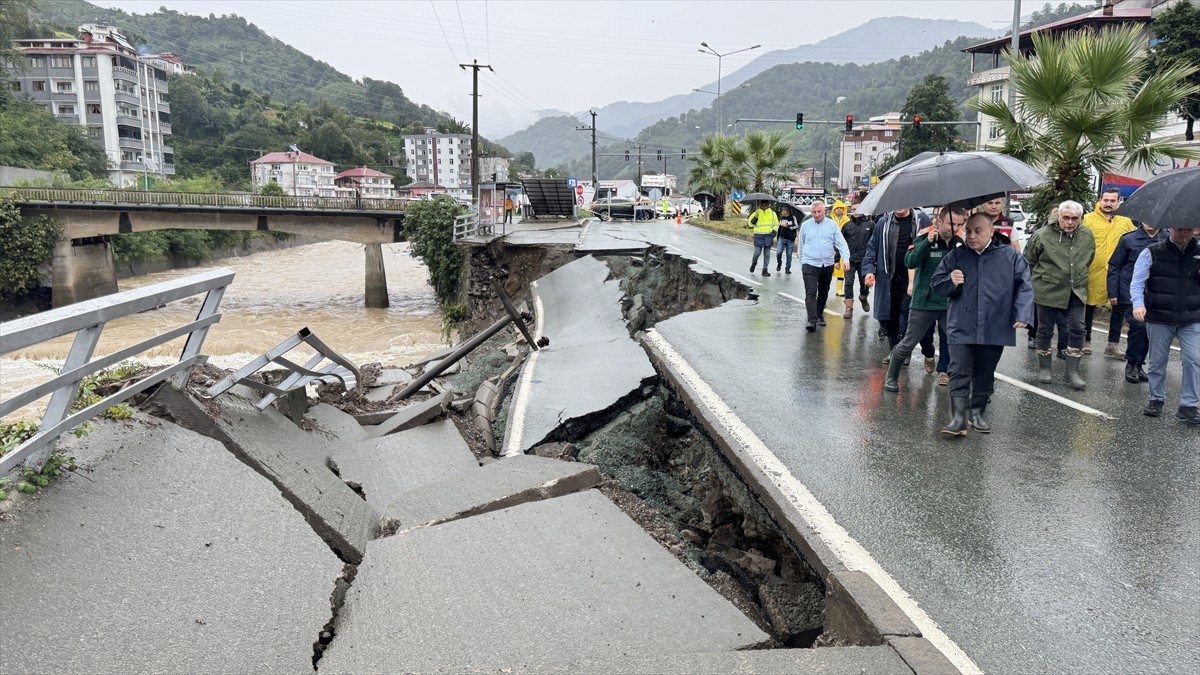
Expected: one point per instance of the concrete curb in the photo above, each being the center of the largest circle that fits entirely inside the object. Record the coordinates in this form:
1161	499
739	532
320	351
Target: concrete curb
857	608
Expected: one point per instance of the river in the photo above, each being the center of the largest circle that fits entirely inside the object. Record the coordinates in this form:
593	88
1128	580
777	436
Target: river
273	295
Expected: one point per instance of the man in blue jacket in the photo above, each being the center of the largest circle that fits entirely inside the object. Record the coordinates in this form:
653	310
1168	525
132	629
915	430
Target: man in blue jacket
1120	273
991	295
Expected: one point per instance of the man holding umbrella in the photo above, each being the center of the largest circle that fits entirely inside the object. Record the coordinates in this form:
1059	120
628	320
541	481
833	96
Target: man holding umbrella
764	221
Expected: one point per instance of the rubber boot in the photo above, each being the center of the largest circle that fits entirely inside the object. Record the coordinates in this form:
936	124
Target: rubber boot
849	313
893	373
975	419
958	425
1071	377
1045	362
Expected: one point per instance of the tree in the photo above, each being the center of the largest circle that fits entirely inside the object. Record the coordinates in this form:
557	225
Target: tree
931	100
25	245
1177	40
764	160
1088	102
429	225
715	170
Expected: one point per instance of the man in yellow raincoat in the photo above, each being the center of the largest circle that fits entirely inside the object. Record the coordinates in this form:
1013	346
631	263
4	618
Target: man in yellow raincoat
839	215
1107	228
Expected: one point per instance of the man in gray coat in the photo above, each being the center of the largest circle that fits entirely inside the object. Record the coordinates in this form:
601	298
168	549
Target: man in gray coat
990	294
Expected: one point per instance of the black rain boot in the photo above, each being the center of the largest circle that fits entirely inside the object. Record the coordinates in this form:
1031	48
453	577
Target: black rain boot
958	425
1131	372
893	373
975	419
1045	362
1071	376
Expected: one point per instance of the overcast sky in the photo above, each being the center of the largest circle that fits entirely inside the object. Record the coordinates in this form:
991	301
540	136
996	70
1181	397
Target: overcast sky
566	55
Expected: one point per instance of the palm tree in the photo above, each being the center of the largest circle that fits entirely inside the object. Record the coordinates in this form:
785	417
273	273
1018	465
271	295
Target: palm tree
1088	101
757	162
715	171
765	160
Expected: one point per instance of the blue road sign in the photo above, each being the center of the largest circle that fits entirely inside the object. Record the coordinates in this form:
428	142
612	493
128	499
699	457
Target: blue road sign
572	182
737	195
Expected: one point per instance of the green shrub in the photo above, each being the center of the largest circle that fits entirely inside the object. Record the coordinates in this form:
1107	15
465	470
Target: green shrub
25	245
429	227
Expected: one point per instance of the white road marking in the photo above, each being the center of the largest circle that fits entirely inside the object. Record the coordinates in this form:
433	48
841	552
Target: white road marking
735	275
1054	397
516	417
801	301
1124	336
834	536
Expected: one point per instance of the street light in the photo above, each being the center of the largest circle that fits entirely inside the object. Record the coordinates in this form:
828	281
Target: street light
720	56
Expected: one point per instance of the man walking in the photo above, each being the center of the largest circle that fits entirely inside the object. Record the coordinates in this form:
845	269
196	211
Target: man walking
789	227
1165	293
1120	275
819	239
894	233
1107	228
926	307
1059	255
989	293
764	221
857	232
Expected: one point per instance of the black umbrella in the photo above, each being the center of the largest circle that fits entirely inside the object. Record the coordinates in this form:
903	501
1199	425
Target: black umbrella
758	197
705	198
919	157
1171	199
970	178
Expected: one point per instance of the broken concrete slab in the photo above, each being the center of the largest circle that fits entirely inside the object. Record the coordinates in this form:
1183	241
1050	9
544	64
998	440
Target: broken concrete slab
294	460
591	366
335	424
388	466
450	369
379	394
169	555
390	377
549	582
412	415
499	485
920	655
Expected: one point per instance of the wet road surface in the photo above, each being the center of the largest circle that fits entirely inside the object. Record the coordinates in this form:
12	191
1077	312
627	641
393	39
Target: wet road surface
1066	541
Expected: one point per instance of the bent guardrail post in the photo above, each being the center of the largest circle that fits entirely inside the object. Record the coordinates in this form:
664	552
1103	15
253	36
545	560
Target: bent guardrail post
300	376
87	320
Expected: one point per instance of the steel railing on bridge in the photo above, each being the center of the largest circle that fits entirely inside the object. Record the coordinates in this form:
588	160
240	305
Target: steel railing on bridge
86	320
58	196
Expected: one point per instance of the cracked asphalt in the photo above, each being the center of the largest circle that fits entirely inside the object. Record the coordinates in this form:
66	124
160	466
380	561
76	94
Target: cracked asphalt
1066	541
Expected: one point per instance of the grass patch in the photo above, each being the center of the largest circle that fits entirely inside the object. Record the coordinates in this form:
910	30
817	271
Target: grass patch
729	227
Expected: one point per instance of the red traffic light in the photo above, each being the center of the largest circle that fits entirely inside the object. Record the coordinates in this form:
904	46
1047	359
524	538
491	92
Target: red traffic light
849	122
916	122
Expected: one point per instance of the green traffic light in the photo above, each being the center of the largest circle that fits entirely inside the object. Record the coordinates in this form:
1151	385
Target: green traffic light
799	120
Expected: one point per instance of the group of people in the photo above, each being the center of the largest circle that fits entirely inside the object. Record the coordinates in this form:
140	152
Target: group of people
961	278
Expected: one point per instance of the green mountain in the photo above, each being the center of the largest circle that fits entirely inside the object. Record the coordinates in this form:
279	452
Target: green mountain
554	141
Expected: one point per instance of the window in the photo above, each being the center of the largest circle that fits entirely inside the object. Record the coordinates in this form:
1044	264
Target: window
95	133
874	148
993	131
16	86
997	93
60	62
857	156
63	87
39	85
89	62
131	156
275	167
91	85
37	62
93	108
66	109
162	98
858	145
887	134
857	168
127	111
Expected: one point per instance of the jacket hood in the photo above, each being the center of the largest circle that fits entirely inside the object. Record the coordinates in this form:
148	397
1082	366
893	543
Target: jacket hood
840	220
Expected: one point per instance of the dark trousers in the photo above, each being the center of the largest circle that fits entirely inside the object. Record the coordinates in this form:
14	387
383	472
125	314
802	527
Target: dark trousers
1047	317
973	372
508	215
898	312
1089	315
1116	321
816	289
848	284
1139	343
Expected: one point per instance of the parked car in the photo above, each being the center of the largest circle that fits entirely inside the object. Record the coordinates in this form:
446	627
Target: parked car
609	208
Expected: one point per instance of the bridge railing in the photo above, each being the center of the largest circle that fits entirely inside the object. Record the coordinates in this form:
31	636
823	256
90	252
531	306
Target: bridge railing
136	197
86	320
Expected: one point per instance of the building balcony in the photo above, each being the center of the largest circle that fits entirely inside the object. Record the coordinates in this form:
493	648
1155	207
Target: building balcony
988	76
132	166
130	120
69	119
126	97
123	73
164	127
167	150
168	169
126	142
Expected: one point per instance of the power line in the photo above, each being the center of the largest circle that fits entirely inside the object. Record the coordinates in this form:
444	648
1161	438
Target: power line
466	43
441	28
487	27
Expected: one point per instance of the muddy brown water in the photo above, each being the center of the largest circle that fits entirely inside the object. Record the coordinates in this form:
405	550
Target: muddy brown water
273	295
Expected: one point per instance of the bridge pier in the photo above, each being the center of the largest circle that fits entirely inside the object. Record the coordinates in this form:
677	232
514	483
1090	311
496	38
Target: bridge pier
376	282
83	269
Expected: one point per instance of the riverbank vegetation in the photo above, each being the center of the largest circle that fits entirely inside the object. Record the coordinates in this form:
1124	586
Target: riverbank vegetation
26	244
429	227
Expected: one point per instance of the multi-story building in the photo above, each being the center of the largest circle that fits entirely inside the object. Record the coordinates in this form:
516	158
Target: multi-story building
100	82
865	148
365	183
440	159
299	174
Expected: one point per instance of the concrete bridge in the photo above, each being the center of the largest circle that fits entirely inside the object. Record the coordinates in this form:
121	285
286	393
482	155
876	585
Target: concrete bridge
83	265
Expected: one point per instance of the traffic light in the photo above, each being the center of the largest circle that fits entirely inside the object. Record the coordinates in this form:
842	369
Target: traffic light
849	122
683	153
626	155
916	122
659	155
799	120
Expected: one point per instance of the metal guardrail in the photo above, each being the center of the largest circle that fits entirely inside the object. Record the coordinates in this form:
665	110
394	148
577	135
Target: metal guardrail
466	226
340	369
86	319
139	198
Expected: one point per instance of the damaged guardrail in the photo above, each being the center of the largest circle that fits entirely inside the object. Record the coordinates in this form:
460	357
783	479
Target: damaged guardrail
86	320
339	369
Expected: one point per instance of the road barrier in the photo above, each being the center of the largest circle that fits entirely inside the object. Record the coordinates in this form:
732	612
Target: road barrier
86	320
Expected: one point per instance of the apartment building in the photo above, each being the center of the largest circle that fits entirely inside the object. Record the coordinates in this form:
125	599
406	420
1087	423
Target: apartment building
298	173
440	159
865	148
100	82
365	183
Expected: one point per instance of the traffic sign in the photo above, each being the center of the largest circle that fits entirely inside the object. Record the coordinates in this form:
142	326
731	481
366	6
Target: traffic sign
738	195
572	182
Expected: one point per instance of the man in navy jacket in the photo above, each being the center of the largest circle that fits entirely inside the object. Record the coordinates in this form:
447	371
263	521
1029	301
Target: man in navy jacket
1120	273
988	284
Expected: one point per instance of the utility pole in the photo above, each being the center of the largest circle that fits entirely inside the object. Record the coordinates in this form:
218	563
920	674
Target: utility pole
474	66
593	130
824	175
639	170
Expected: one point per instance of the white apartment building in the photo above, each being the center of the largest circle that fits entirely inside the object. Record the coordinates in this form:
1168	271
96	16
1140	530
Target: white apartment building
366	183
865	148
440	159
298	173
100	82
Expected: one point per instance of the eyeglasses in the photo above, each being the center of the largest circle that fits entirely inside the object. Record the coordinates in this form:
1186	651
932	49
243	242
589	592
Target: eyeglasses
1070	219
